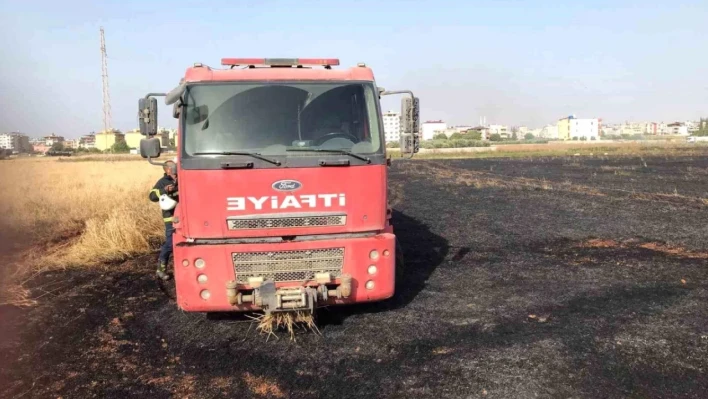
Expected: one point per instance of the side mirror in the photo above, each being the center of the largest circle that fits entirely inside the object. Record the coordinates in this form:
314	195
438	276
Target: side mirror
410	125
147	116
408	144
150	148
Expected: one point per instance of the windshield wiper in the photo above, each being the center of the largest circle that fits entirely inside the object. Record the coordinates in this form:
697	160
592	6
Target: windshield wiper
250	154
343	152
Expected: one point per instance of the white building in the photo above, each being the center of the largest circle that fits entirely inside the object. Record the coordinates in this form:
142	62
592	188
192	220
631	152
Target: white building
52	139
501	130
584	129
677	129
548	132
7	141
392	126
430	128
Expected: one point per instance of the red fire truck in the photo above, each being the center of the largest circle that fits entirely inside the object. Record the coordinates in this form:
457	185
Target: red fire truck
282	169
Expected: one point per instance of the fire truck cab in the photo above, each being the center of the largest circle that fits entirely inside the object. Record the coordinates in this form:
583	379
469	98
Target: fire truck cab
282	173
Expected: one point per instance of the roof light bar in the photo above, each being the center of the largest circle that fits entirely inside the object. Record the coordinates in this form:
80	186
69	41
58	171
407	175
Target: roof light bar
280	61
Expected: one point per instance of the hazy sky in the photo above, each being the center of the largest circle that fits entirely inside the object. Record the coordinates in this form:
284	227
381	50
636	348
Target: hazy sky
516	62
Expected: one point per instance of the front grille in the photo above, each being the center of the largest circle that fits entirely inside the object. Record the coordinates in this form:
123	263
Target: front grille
288	265
285	222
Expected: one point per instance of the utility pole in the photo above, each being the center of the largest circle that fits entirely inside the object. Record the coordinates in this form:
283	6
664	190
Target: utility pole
106	95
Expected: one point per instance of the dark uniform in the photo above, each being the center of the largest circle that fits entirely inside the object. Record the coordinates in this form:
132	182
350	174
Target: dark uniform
167	215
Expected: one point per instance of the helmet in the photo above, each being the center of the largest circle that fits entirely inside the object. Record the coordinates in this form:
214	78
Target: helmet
167	203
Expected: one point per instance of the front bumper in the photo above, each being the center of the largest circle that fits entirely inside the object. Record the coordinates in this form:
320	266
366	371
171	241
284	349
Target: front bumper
205	289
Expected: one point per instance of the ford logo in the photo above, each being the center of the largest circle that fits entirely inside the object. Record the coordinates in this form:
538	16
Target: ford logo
286	185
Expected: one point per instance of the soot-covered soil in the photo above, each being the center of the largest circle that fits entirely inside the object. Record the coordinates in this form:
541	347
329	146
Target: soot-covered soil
564	277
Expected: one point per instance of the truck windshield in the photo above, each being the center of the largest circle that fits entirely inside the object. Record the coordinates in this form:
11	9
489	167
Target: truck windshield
281	119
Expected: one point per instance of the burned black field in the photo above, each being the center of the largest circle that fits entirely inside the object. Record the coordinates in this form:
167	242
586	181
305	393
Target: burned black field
552	277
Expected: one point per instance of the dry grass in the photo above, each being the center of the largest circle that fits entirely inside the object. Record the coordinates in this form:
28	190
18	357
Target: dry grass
270	323
71	214
574	148
101	158
658	247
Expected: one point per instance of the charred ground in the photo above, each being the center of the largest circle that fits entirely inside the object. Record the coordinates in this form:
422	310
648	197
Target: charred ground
551	277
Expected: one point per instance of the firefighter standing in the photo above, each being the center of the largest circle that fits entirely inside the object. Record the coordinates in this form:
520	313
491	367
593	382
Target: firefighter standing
165	192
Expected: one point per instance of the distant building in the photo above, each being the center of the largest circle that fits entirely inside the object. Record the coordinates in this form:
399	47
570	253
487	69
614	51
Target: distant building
677	129
40	148
609	131
17	142
430	128
572	128
73	144
661	128
462	128
637	128
584	129
132	138
392	126
548	132
87	142
692	126
104	141
501	130
563	126
652	128
52	139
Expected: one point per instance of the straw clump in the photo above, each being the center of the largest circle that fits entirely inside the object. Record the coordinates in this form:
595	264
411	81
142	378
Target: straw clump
289	322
